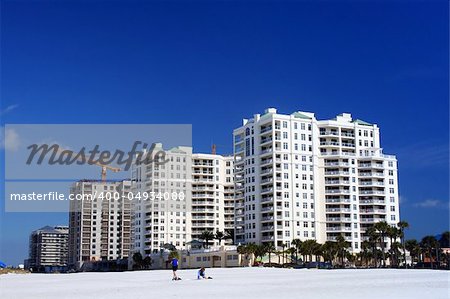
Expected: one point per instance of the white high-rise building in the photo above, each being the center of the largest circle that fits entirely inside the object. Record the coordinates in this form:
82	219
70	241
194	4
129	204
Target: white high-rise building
191	193
99	221
300	178
48	248
212	194
159	218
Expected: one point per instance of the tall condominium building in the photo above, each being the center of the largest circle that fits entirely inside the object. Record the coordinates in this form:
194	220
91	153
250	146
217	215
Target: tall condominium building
191	193
48	248
302	178
99	221
163	200
212	194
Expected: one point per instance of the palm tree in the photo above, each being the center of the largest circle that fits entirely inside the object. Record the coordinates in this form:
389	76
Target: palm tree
297	243
382	227
365	254
329	251
402	225
147	262
229	235
393	233
429	243
395	251
220	236
270	248
414	249
444	242
260	251
207	236
137	260
308	248
284	245
342	246
374	236
317	251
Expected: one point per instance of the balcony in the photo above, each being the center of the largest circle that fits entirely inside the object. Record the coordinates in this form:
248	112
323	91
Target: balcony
346	134
204	210
337	191
371	183
338	219
330	133
372	192
329	143
266	228
265	181
203	189
266	129
346	144
267	209
266	199
267	218
372	220
338	210
371	201
333	239
338	228
372	211
266	140
266	190
266	161
338	200
268	170
337	182
345	164
267	151
345	173
267	238
203	164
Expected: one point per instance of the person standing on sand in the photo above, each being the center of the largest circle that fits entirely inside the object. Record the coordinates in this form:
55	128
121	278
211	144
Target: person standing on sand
174	263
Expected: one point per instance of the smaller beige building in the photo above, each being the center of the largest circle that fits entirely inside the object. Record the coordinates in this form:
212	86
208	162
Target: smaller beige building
214	257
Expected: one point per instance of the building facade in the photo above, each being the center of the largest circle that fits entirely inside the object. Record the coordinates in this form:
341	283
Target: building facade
48	249
212	194
297	177
99	221
191	193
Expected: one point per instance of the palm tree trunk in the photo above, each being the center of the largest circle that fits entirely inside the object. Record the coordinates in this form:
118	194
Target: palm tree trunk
382	250
404	251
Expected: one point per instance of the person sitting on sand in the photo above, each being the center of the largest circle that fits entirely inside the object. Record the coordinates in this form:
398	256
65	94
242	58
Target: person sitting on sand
201	274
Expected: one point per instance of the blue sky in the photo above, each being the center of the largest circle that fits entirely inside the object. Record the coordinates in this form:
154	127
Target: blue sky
210	64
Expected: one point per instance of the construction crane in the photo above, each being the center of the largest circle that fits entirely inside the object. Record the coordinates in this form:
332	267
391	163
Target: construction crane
103	166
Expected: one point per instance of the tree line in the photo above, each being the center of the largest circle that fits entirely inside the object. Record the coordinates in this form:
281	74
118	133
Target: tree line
374	252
